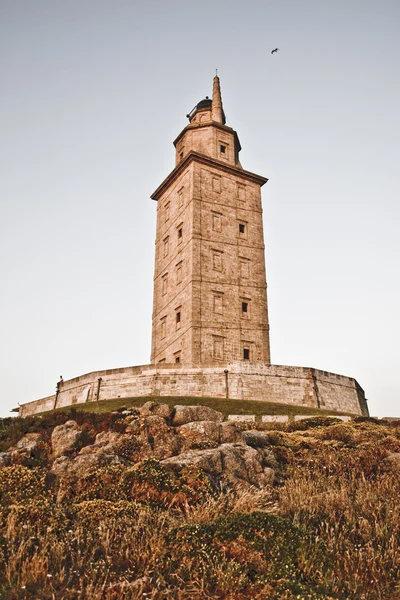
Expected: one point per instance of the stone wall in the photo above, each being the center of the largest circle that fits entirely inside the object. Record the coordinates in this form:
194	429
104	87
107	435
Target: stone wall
231	267
173	277
210	301
298	386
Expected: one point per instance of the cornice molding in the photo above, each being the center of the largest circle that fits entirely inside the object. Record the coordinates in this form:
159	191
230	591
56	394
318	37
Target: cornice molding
206	160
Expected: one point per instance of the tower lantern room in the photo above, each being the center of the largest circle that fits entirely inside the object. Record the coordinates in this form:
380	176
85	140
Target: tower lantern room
207	132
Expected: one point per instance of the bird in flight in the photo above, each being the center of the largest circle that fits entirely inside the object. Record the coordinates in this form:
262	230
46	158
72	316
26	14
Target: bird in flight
274	50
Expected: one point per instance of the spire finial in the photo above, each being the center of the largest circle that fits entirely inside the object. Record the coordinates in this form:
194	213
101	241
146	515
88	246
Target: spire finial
217	110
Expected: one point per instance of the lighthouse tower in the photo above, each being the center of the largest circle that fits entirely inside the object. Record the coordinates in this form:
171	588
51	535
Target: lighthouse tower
210	300
210	319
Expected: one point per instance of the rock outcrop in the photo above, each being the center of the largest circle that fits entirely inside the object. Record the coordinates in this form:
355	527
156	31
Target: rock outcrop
200	434
233	464
106	442
177	436
187	414
66	438
29	443
30	446
256	439
154	408
83	464
5	459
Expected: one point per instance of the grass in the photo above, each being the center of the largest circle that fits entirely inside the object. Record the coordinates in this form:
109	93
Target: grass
328	531
226	406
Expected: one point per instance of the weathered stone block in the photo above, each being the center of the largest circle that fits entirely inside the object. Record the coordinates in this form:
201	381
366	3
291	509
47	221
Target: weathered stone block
242	418
275	418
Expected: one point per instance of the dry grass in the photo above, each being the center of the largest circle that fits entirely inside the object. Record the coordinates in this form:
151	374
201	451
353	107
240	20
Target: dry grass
329	531
349	497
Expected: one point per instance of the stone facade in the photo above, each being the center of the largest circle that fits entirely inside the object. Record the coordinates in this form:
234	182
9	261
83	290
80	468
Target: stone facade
241	380
210	302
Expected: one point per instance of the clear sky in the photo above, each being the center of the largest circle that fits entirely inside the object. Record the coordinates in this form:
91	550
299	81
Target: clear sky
93	93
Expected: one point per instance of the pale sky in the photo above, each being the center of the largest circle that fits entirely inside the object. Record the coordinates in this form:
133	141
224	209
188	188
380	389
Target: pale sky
93	93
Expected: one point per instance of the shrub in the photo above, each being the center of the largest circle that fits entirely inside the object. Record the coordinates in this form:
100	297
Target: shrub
151	483
13	429
147	483
340	432
194	484
368	420
18	483
93	512
35	517
311	422
128	448
266	548
103	484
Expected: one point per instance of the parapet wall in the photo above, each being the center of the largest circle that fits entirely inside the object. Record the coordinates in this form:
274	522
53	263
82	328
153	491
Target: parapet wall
299	386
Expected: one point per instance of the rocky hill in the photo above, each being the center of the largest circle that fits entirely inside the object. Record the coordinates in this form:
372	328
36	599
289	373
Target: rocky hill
173	502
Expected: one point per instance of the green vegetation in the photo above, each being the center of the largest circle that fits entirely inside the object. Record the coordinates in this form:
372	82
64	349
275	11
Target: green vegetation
228	407
329	530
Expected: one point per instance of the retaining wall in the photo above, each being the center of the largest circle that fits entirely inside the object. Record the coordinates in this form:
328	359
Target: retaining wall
299	386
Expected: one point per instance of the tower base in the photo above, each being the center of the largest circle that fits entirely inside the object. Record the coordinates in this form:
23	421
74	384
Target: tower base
297	386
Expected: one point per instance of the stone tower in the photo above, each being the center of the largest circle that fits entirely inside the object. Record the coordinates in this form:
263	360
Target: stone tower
210	300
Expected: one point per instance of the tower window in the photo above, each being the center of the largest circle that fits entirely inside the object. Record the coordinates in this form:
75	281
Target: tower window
164	283
217	261
180	198
216	184
179	272
180	233
181	156
163	327
217	221
218	348
222	149
167	206
166	245
241	192
245	308
246	353
177	356
218	303
178	317
242	228
245	268
177	359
